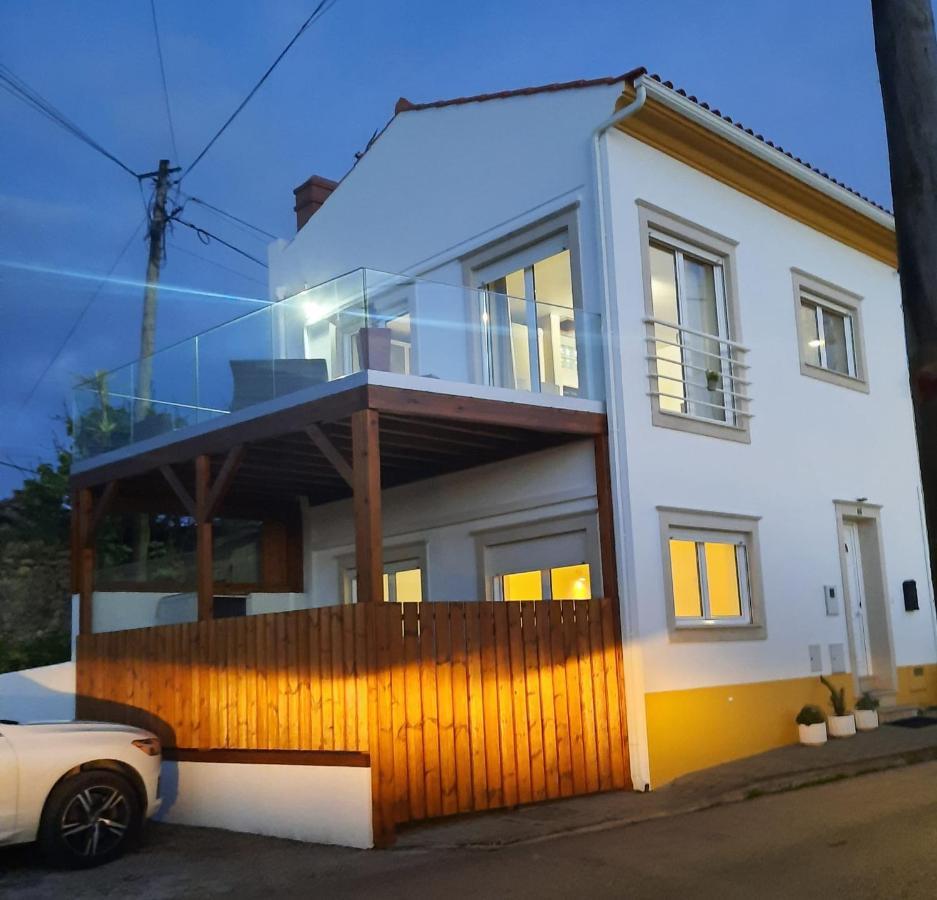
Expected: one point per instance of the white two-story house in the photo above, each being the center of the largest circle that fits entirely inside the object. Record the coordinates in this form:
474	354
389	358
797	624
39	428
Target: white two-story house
602	342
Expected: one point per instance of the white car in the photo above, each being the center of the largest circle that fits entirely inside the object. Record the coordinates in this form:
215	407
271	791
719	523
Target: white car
81	789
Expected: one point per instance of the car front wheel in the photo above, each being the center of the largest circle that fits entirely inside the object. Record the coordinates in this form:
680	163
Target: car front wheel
89	819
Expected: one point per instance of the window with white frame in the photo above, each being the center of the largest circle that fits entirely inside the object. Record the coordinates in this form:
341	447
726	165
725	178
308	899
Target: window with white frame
697	369
709	574
550	560
404	577
529	297
712	578
829	332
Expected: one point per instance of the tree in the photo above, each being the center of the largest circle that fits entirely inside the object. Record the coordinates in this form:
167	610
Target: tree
906	51
34	569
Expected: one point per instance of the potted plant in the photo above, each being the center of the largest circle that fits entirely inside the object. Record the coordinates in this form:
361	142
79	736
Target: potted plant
712	379
811	726
866	712
842	723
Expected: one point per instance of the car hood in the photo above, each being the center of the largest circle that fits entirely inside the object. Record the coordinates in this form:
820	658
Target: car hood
53	728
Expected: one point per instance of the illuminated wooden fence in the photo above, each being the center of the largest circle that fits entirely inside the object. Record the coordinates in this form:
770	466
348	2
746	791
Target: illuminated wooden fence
460	707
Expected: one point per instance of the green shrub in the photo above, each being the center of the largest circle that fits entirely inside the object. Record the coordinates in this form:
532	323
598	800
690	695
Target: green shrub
810	715
837	696
867	701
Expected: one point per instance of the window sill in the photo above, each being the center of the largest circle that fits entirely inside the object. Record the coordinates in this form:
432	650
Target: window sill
706	632
697	425
847	381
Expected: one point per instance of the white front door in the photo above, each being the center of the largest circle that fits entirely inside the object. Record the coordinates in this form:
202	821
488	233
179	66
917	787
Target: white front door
861	653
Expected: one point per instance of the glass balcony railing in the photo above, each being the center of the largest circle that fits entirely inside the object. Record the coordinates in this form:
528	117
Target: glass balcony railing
363	320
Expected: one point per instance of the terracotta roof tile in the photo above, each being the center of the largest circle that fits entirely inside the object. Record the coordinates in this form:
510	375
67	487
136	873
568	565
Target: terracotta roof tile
405	105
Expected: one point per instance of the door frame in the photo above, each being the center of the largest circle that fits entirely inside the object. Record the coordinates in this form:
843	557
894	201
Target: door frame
875	585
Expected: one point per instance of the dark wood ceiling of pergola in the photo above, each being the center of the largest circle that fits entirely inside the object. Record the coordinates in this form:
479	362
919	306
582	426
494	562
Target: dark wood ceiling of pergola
421	435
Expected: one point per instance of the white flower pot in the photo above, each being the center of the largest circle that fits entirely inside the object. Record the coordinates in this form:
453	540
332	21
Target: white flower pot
812	735
866	719
841	726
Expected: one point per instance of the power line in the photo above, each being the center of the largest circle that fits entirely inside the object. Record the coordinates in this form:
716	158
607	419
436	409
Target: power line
81	316
320	10
162	74
180	249
15	85
11	465
206	237
228	215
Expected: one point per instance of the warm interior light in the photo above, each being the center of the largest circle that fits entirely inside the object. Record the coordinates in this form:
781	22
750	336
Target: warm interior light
815	343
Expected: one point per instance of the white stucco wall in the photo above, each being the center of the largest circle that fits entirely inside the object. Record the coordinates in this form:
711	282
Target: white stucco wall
323	804
440	183
43	694
811	442
449	513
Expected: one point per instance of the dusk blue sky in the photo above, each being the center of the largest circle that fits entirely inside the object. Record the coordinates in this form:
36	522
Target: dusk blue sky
801	73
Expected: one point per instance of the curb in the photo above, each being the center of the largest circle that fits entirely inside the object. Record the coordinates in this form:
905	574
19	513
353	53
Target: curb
777	784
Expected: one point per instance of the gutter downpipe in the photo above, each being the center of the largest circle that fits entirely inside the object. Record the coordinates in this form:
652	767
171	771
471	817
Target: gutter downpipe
631	653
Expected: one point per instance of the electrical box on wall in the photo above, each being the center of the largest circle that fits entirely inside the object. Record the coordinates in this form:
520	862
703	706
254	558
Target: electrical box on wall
909	589
816	657
837	658
832	600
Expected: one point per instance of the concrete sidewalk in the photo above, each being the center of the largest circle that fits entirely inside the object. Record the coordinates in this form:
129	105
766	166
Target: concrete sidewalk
777	770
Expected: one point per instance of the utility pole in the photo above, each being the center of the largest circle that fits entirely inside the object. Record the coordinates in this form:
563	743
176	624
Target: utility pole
144	388
906	51
158	221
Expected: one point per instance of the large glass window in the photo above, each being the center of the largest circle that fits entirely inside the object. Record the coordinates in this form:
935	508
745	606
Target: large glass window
529	307
694	364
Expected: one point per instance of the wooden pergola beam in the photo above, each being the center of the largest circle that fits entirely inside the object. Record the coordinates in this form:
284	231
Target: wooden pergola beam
220	487
101	508
366	478
178	488
331	453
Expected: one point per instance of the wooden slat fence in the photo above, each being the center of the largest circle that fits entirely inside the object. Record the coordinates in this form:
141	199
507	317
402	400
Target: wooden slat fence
462	706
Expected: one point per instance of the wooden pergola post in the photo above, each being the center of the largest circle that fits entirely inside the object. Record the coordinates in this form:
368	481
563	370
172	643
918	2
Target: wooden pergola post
366	484
86	517
606	511
85	560
204	556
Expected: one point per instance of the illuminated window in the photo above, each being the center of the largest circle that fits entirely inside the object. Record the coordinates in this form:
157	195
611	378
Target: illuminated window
403	575
560	583
712	578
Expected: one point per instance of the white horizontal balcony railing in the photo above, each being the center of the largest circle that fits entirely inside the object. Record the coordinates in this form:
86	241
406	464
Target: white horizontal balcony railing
365	320
696	374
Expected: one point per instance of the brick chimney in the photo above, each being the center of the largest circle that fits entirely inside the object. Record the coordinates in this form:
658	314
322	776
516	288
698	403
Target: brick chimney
310	195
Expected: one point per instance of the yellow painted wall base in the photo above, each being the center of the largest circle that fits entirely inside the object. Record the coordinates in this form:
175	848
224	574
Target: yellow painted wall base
694	729
917	685
701	727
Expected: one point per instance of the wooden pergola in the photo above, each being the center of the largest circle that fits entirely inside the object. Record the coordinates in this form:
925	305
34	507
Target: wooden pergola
351	444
